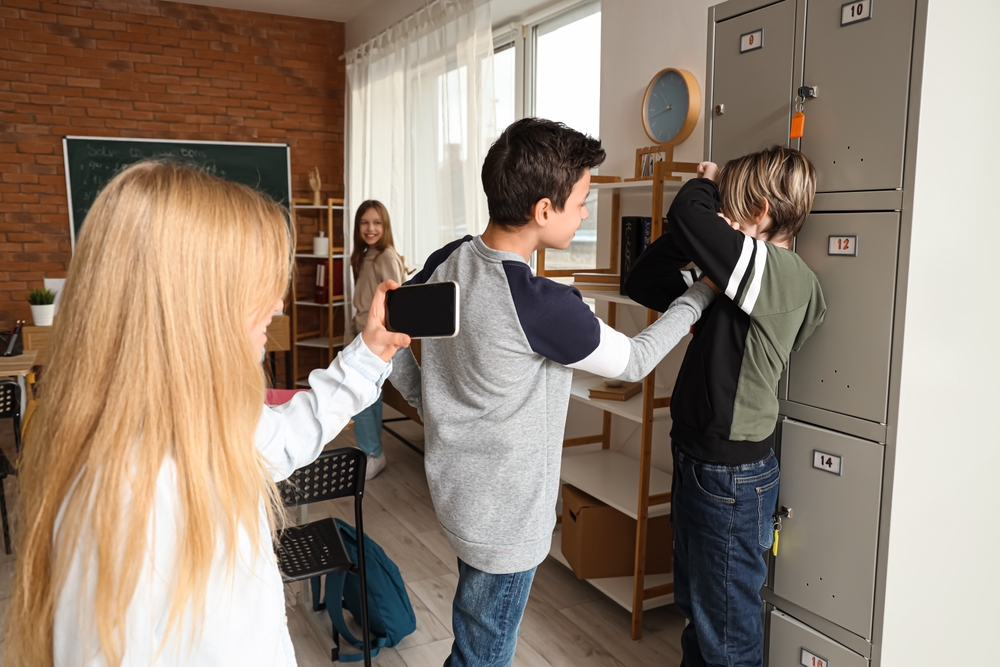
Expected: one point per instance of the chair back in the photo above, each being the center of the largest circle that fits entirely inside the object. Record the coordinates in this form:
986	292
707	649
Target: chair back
339	473
10	401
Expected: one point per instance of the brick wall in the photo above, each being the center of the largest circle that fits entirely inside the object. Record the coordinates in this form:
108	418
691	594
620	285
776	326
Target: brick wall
150	69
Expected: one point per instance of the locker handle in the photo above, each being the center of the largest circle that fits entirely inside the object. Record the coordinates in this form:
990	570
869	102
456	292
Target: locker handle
784	513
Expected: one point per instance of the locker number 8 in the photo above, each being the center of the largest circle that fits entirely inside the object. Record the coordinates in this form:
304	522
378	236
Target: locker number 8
853	12
810	660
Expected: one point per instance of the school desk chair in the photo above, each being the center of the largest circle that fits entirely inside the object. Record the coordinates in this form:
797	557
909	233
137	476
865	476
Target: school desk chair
316	548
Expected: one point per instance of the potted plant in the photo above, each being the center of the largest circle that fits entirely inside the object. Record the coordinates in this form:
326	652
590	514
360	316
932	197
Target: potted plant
42	302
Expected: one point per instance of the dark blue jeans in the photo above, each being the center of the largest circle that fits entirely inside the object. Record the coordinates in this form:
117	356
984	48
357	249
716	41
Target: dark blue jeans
486	616
723	524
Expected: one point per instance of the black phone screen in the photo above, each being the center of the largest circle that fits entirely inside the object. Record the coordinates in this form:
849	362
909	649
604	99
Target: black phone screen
423	311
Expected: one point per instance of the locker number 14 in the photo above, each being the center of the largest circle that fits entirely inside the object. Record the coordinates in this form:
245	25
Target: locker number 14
827	462
810	660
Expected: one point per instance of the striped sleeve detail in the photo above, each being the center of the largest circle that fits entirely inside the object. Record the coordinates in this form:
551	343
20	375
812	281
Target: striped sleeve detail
732	289
760	265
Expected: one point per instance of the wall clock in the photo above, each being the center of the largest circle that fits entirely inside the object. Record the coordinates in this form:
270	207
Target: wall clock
671	106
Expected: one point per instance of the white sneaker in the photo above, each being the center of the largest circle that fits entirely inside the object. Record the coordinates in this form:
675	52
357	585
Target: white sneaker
375	465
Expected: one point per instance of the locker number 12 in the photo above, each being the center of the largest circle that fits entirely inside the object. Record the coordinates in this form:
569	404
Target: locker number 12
827	462
843	245
810	660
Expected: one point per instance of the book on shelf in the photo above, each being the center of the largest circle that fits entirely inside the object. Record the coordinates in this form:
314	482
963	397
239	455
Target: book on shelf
595	277
637	232
622	392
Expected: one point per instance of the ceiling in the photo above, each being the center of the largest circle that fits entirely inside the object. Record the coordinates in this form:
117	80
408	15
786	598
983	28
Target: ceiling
327	10
503	11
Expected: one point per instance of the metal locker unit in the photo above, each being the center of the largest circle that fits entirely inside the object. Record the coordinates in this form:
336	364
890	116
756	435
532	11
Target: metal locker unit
794	644
826	561
752	84
844	367
839	397
855	128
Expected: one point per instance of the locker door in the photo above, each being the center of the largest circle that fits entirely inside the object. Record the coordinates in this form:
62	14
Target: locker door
855	128
754	86
794	644
826	556
844	366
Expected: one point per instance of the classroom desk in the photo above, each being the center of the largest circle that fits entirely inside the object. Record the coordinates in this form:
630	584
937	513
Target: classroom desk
18	367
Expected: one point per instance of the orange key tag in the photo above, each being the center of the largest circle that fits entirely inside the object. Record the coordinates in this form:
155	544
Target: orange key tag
798	125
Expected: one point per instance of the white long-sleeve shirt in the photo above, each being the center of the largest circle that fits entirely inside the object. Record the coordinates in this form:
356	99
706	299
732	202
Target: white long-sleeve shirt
244	622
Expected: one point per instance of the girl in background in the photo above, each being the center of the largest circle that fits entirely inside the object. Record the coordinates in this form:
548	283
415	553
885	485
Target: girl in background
148	496
373	261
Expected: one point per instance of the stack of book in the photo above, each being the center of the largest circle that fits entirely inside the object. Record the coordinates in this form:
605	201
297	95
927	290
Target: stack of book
595	280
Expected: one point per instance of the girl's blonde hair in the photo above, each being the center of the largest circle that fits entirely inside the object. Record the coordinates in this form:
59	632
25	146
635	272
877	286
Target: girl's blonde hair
782	176
360	247
151	358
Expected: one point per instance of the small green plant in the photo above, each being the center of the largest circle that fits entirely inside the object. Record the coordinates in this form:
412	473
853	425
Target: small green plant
41	297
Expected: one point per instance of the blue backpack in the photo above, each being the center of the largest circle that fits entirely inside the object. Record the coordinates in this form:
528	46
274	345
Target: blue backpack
390	616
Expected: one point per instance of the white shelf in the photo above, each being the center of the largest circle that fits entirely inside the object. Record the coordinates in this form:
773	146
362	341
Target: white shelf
613	478
309	255
630	409
320	305
636	186
303	383
618	589
323	207
322	342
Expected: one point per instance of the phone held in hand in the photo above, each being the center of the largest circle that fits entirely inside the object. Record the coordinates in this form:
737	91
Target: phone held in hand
429	310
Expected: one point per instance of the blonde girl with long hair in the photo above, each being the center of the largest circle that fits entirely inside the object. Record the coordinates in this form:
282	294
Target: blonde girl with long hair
148	495
373	261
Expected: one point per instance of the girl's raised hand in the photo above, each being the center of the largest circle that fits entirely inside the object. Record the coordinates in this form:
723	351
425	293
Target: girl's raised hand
381	342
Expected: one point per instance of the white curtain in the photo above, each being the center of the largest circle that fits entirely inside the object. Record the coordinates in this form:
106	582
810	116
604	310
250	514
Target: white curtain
421	117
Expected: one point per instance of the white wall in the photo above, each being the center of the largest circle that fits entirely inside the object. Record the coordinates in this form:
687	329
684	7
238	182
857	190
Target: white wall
639	38
943	588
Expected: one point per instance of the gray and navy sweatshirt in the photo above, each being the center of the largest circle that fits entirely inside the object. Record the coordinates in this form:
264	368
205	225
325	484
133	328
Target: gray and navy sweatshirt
494	398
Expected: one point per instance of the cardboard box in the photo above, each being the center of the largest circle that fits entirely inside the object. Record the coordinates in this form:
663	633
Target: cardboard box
599	541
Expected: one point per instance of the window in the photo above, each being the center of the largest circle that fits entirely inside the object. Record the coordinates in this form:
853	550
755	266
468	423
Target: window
505	84
567	88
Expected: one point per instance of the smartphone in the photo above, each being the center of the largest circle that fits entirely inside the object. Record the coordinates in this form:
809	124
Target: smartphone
429	310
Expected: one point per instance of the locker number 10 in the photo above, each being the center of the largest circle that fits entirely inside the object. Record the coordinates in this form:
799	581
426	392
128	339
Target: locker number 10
810	660
852	12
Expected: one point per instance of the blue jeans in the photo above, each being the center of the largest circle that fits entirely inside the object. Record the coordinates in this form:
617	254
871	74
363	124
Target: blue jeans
368	428
486	616
723	525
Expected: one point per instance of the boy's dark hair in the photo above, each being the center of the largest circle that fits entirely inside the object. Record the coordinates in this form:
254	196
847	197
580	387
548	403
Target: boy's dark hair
532	160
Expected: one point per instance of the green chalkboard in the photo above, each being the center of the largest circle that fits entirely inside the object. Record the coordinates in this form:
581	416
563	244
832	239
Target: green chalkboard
92	161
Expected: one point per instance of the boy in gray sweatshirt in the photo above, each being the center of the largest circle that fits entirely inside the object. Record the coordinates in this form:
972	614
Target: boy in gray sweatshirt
494	399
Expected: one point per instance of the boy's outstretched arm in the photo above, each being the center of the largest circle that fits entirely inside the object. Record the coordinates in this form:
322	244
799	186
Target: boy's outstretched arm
561	327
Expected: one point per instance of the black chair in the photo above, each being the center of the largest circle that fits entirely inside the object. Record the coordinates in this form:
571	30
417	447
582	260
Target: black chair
10	408
316	548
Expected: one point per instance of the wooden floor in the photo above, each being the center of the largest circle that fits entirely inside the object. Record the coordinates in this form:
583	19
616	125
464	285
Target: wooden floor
567	623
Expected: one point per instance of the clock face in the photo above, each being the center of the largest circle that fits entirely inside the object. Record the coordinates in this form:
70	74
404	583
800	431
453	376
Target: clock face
665	107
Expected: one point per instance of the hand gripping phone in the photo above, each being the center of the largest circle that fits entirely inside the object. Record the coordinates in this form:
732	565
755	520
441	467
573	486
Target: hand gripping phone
429	310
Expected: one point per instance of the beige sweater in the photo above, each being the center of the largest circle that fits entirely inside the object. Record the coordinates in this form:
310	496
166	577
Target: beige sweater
376	268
